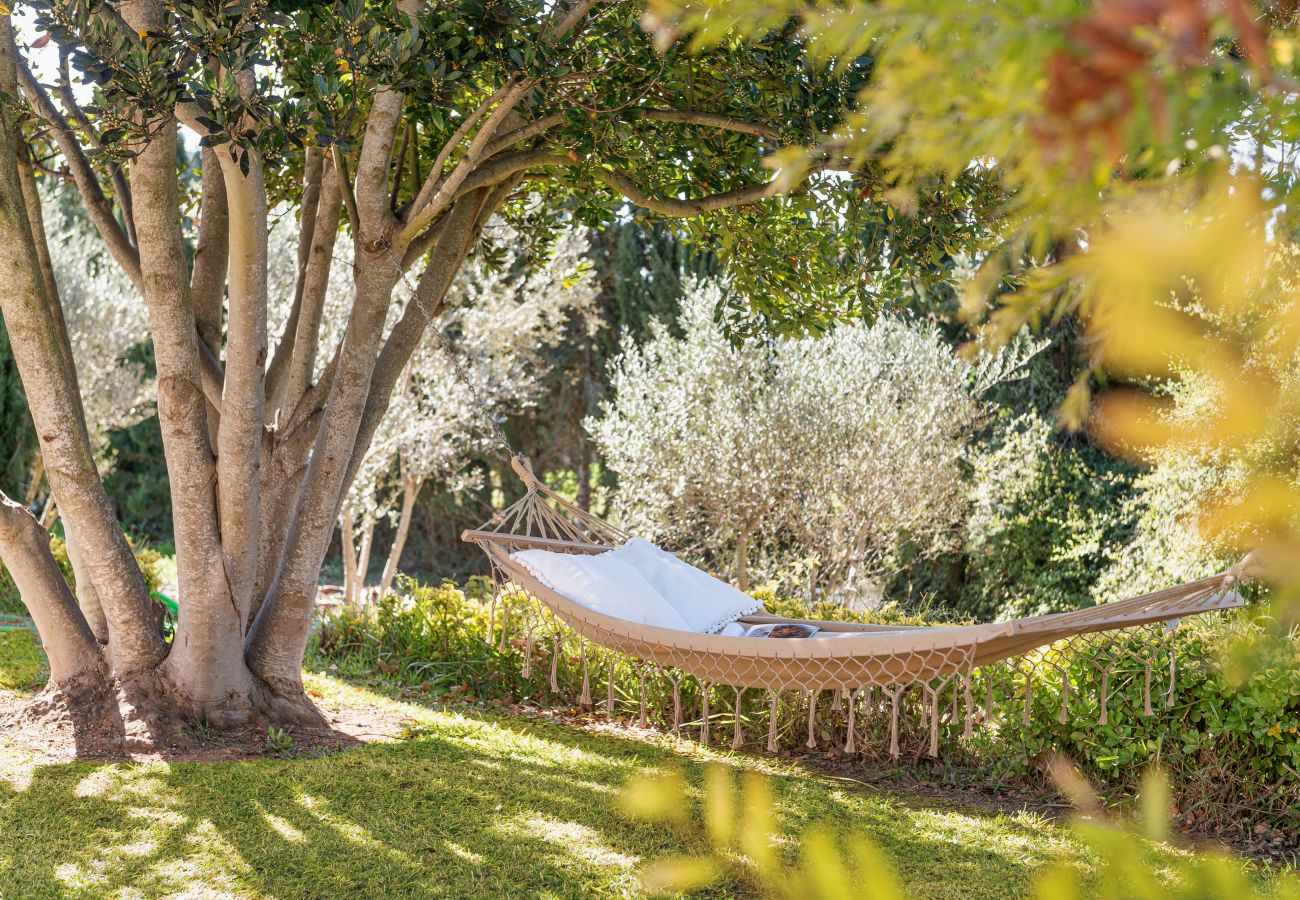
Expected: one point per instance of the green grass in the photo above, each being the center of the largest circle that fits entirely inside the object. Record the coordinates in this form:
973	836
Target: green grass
470	804
22	663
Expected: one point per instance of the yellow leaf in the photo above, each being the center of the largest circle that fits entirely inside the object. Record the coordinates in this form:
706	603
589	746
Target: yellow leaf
720	804
656	799
1155	802
679	874
875	873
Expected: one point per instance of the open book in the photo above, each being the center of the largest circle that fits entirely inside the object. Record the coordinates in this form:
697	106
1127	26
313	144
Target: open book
782	630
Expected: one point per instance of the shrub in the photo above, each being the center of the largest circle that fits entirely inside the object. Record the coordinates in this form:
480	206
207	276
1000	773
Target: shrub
1230	736
22	664
148	559
844	451
1049	516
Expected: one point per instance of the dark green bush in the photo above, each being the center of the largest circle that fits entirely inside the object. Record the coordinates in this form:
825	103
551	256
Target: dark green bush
1050	513
1229	738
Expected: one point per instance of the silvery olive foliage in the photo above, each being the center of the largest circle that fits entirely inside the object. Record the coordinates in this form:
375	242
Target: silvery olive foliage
838	457
485	358
107	326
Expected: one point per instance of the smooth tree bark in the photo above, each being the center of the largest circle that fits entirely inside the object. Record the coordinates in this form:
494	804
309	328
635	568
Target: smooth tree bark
261	446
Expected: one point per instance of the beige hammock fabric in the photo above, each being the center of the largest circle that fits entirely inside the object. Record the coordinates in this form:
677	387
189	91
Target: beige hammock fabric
878	655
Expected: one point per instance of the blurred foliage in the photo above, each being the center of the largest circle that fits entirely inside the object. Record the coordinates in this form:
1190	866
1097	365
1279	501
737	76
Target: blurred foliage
742	828
750	847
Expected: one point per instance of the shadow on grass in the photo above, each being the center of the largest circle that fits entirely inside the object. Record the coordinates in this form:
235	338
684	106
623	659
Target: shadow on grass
474	806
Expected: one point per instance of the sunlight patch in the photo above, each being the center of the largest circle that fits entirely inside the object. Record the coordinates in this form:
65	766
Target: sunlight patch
282	827
465	854
576	840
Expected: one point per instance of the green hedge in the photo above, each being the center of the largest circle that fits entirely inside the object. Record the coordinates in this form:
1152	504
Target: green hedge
146	557
1228	740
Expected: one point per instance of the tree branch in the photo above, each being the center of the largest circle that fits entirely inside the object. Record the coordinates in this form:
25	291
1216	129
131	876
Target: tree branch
313	167
435	171
448	186
710	120
301	365
51	393
243	397
120	188
349	198
523	133
97	205
65	635
571	17
676	208
211	253
462	224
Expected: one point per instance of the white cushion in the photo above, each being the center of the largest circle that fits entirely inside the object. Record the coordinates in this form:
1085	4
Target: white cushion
705	603
603	584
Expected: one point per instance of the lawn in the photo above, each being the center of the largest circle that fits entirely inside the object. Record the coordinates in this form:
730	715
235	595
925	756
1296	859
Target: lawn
465	804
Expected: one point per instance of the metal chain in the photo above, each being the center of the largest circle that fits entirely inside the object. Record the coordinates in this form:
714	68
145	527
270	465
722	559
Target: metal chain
458	367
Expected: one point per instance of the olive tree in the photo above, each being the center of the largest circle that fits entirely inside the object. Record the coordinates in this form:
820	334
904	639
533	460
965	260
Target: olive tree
405	126
485	358
843	452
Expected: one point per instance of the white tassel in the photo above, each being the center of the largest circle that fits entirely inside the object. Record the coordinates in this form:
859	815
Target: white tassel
895	697
1105	696
812	719
528	655
704	713
609	692
585	698
555	664
1146	689
1029	698
968	727
737	732
1173	667
771	724
644	719
934	723
850	743
677	706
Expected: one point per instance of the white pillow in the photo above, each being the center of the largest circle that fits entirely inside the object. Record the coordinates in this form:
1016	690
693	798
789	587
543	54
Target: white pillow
603	584
706	603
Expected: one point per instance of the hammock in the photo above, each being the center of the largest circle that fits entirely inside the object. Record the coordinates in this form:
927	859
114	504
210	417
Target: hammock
870	655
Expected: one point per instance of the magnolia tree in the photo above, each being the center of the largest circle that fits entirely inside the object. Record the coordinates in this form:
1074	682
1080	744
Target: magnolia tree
843	451
406	126
486	357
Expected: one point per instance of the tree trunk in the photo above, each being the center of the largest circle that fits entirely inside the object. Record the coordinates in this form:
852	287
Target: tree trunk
348	538
54	401
410	493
